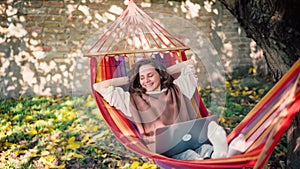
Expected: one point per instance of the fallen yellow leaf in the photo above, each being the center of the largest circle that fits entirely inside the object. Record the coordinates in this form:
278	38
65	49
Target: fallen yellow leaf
72	144
76	155
134	165
32	132
44	153
29	118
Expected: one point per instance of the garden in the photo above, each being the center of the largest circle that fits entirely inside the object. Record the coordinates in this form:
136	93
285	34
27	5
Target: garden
69	132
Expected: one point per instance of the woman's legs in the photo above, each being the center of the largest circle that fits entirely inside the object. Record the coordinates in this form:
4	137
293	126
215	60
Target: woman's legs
219	148
237	146
217	136
188	155
205	151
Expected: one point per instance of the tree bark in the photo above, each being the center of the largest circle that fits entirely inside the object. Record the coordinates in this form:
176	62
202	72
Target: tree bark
275	27
294	139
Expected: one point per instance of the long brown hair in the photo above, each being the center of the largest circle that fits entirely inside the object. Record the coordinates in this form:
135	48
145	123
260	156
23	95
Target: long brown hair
134	76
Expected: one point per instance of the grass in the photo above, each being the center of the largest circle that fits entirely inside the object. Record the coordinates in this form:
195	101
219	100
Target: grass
69	132
61	132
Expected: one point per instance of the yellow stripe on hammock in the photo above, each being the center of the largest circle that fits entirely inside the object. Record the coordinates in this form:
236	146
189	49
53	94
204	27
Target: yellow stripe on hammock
268	115
119	121
263	134
292	92
126	130
195	106
263	102
275	88
229	160
235	159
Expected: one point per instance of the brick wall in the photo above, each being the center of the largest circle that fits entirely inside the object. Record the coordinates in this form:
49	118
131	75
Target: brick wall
41	50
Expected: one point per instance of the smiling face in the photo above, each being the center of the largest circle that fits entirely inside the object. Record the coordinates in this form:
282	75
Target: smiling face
149	78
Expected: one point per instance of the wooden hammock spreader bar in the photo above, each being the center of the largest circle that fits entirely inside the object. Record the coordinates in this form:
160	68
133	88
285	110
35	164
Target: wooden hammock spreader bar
111	53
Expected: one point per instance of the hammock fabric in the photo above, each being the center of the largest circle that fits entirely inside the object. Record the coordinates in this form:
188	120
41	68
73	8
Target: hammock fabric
112	56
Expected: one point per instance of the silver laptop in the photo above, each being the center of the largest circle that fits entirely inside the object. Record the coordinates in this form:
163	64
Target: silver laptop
176	138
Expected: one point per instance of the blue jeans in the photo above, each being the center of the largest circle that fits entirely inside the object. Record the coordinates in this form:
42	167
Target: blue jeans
203	152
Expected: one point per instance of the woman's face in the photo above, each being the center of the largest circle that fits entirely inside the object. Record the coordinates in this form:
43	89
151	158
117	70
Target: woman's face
149	78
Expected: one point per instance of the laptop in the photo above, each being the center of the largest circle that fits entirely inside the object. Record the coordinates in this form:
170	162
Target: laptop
178	137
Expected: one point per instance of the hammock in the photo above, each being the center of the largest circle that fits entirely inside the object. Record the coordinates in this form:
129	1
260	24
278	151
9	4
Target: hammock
120	46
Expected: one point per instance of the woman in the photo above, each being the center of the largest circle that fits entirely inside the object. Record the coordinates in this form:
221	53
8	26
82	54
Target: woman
155	100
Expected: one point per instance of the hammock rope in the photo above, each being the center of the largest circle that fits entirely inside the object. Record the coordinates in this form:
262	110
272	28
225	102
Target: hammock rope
134	32
135	35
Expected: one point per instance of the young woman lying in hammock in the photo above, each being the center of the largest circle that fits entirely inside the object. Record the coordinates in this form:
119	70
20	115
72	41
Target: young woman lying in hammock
155	100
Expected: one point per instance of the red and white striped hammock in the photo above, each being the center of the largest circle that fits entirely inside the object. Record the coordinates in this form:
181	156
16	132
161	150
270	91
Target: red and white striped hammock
134	35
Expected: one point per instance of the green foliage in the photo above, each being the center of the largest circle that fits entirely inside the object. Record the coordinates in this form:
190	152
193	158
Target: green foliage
58	132
69	132
242	94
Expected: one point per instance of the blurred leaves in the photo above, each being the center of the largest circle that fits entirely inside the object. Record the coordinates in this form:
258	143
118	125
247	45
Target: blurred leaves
243	92
59	132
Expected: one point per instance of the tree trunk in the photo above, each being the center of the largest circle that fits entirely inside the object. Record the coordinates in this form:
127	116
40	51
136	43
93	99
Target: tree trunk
275	27
294	139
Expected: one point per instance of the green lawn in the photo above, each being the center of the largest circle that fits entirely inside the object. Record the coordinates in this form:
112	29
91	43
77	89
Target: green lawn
68	132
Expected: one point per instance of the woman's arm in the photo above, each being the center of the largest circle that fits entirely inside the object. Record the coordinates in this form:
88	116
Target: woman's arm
114	95
178	67
102	86
188	80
